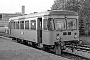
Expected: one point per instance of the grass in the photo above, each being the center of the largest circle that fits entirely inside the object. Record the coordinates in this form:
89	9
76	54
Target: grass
85	39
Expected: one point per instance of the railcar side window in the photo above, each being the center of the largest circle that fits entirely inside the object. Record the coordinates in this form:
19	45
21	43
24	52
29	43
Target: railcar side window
17	25
50	24
60	24
33	24
45	23
14	25
27	24
21	24
71	24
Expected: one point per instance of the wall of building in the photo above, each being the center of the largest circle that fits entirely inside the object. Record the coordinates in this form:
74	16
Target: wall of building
4	18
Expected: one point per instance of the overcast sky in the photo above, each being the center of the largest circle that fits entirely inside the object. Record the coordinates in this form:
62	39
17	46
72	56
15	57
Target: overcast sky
12	6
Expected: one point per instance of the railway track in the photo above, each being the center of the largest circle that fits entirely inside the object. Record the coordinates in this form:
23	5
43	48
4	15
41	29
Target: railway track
69	53
65	54
79	50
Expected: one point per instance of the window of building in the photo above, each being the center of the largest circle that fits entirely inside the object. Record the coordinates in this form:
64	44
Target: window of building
33	24
21	24
27	24
0	16
17	25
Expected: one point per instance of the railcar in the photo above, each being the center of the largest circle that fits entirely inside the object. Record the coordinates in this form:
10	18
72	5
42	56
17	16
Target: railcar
42	29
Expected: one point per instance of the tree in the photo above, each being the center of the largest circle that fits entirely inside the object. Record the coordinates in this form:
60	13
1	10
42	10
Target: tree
58	4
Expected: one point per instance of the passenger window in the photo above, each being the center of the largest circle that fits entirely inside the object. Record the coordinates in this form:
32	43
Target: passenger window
14	25
27	24
45	22
17	25
21	24
33	24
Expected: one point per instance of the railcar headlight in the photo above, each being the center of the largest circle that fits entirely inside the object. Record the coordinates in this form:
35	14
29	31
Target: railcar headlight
75	35
57	37
80	42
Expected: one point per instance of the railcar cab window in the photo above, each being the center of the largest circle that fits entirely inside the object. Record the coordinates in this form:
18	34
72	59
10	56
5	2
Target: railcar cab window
71	24
60	24
27	24
33	24
21	24
17	25
48	24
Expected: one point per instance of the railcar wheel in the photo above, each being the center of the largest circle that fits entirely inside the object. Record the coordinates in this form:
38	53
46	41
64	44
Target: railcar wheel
18	40
30	43
21	41
12	38
25	42
45	48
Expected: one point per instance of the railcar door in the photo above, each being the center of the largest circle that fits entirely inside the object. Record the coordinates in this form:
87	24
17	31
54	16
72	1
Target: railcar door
10	26
39	30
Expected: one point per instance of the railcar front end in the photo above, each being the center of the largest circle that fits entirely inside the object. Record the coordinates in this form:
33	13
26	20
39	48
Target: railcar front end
64	27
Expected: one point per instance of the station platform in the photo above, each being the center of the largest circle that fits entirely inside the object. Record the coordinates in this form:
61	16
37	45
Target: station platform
10	50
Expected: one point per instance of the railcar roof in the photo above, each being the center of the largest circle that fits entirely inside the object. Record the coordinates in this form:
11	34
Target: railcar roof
46	13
